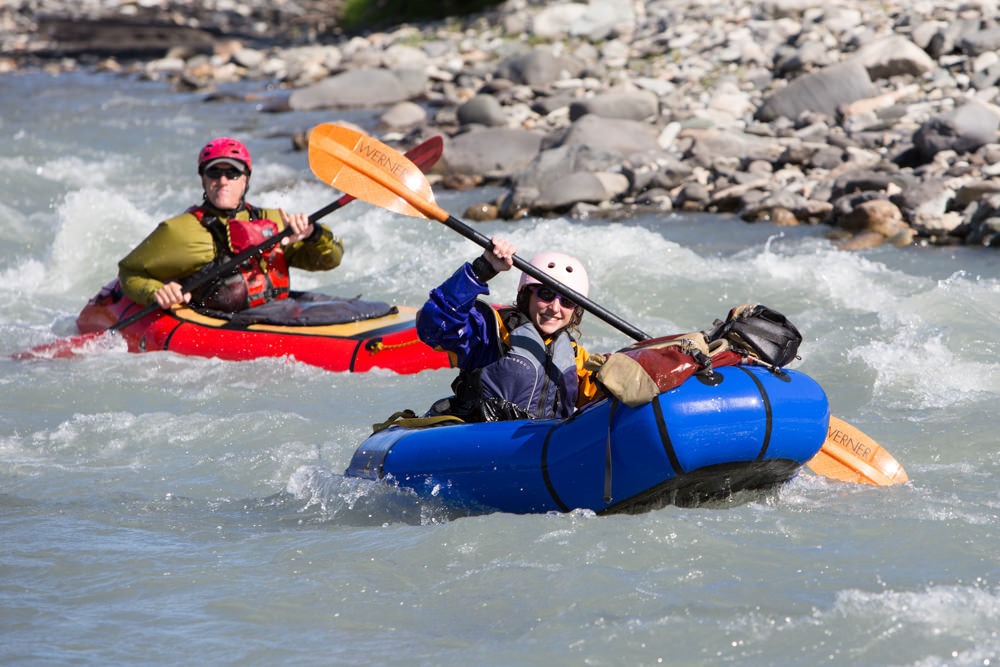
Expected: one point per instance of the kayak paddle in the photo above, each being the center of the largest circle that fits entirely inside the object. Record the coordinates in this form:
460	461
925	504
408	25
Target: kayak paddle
354	162
422	156
363	166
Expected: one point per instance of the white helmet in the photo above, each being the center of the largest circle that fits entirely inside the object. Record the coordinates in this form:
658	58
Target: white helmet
567	270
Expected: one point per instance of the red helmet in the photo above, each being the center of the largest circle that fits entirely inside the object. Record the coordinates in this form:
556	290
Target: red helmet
224	148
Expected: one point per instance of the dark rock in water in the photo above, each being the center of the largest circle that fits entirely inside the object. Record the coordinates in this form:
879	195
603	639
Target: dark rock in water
874	215
962	130
120	38
985	232
481	212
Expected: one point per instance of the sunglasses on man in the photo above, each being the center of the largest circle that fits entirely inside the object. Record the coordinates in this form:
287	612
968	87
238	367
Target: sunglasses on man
216	173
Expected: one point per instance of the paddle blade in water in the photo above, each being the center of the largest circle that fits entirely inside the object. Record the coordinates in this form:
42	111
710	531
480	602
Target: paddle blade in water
64	348
369	170
851	456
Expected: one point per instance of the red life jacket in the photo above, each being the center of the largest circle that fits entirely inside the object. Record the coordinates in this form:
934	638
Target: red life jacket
262	278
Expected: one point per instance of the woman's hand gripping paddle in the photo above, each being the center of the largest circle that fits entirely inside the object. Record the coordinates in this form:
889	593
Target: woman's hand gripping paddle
422	156
361	165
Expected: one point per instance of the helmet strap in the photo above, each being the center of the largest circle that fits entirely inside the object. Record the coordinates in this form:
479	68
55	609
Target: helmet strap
227	212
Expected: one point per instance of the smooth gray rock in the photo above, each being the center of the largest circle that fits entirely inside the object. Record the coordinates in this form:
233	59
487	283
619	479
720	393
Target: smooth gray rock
353	88
482	110
961	130
539	67
491	152
639	105
822	92
616	135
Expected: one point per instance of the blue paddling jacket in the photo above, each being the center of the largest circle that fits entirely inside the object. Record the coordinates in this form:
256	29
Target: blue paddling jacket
507	370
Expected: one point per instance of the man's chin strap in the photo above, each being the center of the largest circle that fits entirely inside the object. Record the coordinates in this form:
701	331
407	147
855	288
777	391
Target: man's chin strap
226	212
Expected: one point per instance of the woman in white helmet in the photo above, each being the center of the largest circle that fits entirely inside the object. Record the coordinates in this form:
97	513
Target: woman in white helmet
516	362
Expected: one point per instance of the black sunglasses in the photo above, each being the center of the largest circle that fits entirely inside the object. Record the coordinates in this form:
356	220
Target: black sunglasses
218	172
547	295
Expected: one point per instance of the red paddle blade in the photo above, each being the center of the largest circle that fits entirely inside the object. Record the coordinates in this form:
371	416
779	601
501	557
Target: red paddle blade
64	348
426	154
850	455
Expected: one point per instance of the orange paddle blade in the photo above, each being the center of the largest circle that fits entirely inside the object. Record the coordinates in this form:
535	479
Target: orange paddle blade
367	169
850	455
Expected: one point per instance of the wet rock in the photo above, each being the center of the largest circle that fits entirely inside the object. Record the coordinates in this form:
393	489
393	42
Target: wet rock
875	215
481	212
985	232
862	241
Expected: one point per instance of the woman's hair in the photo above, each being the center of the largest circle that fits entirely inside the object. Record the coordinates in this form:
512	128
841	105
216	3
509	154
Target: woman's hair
573	328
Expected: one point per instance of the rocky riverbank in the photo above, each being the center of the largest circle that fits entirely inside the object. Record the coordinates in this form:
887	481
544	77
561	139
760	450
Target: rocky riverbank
879	120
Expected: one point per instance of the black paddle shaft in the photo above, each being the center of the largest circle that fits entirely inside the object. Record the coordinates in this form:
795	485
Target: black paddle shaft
547	280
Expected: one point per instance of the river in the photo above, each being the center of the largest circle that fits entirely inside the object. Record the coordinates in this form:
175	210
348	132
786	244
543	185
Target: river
168	510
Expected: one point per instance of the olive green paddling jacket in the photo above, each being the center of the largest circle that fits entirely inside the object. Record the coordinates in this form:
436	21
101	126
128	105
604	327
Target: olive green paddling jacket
181	245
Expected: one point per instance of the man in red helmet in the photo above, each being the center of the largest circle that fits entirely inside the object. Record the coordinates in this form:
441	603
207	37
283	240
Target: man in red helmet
219	228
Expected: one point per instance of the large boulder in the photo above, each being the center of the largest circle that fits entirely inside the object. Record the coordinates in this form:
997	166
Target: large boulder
365	87
961	130
490	152
539	67
616	135
893	56
629	104
573	188
482	109
552	164
823	92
